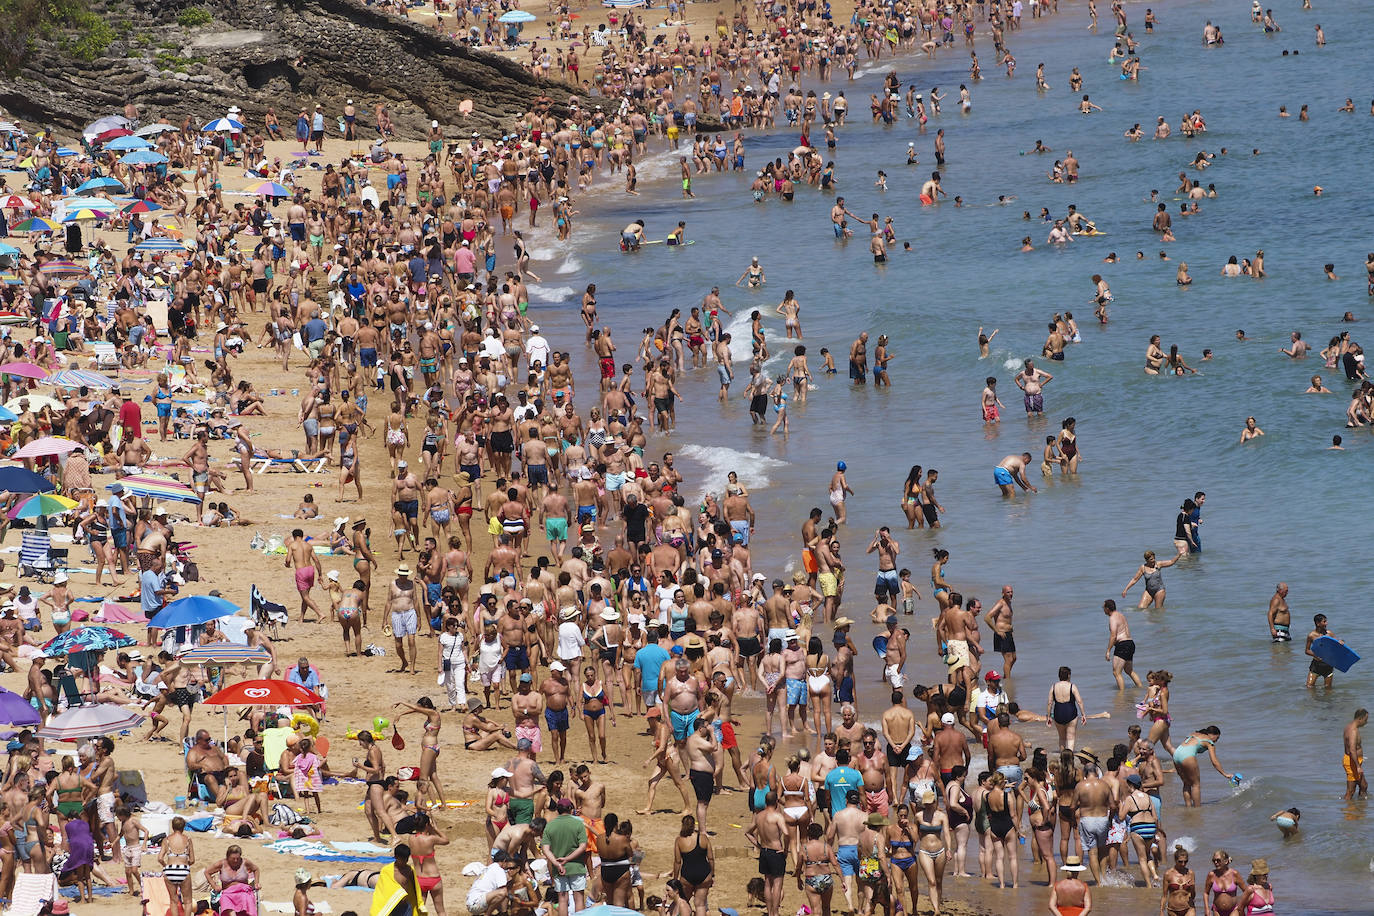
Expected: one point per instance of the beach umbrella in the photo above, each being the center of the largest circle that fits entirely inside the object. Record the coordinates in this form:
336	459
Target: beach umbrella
224	653
79	378
99	185
23	370
264	693
191	610
270	189
87	639
8	127
85	213
606	909
6	248
228	124
152	130
515	17
89	722
36	403
15	710
65	151
142	206
37	224
12	280
18	479
143	157
41	506
155	486
161	244
60	266
48	445
114	133
100	125
128	142
15	202
7	415
622	4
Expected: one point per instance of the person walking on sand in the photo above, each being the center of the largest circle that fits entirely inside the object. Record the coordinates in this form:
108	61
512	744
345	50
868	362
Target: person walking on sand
300	554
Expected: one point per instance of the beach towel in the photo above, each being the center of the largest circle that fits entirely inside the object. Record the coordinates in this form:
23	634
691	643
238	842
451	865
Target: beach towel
30	893
156	901
389	895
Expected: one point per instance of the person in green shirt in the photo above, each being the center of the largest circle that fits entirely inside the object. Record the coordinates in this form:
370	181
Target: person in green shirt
565	846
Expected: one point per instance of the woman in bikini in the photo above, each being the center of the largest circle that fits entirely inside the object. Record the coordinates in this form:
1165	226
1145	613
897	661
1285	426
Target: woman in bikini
901	836
1180	887
1186	765
911	499
423	841
818	685
176	858
350	614
1223	887
1040	812
617	849
397	435
595	707
350	468
932	826
795	799
498	800
238	799
816	870
1142	825
428	775
1258	898
1155	707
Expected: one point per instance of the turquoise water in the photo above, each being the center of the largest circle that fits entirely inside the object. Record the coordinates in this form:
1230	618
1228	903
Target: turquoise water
1280	508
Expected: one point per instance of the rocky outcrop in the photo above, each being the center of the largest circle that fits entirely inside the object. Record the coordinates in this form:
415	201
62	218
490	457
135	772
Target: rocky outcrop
286	54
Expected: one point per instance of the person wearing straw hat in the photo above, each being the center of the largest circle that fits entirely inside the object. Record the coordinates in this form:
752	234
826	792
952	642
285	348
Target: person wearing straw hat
1259	896
1069	896
400	604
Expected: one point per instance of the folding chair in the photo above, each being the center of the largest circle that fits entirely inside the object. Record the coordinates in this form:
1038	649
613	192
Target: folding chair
37	557
267	614
106	356
66	685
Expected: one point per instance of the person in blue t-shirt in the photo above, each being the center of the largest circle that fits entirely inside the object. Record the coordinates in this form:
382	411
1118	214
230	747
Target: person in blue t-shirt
841	780
649	662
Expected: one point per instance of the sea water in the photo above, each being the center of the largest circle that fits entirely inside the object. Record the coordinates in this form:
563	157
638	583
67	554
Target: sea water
1283	508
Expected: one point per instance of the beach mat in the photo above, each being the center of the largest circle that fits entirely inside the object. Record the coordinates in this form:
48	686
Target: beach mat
156	901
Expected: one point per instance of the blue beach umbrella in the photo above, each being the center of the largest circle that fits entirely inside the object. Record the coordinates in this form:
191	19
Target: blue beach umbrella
221	124
122	144
160	244
143	157
87	639
101	184
194	609
515	17
19	479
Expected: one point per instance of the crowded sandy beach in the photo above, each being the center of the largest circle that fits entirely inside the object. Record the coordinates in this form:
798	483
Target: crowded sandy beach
402	524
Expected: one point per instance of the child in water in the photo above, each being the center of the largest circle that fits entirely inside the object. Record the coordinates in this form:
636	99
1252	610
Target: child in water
1287	821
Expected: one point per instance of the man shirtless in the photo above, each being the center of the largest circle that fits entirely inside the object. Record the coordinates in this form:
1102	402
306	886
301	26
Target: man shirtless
899	728
1003	640
404	619
1120	646
701	751
1279	617
300	555
1012	470
682	701
1032	381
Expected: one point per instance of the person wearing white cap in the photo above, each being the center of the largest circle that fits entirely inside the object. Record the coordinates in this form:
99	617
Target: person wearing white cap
537	347
557	694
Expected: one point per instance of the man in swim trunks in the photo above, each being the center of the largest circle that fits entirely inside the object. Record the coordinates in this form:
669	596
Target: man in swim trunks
1012	470
1032	381
301	555
1353	761
682	701
1092	800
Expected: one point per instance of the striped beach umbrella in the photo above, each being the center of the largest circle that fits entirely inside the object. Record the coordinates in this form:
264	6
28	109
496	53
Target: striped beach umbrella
48	445
61	267
224	653
86	213
79	378
37	224
141	206
41	506
155	486
15	202
270	189
90	722
161	244
220	124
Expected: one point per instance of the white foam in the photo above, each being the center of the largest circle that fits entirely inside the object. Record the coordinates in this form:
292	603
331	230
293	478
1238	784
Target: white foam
753	469
570	266
551	293
1013	363
1187	842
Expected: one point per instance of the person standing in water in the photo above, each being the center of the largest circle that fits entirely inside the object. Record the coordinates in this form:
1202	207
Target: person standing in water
1279	617
1353	761
1318	668
1120	646
1154	581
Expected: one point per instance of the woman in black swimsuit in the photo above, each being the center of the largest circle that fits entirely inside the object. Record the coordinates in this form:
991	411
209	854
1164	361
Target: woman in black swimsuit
959	809
1001	827
617	848
1065	708
694	863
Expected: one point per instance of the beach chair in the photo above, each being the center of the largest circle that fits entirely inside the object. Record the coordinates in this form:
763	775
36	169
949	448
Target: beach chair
106	356
37	556
66	686
262	464
268	615
129	786
31	893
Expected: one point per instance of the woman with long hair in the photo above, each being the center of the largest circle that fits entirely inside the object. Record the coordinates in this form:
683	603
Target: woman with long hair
694	865
911	499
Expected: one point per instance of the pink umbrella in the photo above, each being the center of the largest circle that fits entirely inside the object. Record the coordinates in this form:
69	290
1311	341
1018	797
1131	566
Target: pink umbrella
48	445
24	370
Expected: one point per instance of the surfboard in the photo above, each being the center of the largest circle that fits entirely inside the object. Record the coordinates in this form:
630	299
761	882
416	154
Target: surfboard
1095	232
1334	653
665	242
880	646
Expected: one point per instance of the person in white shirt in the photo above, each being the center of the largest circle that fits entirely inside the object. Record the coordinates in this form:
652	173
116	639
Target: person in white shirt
488	892
537	347
570	638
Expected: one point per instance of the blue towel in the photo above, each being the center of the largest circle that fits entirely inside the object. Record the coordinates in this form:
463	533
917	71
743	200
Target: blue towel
200	824
348	858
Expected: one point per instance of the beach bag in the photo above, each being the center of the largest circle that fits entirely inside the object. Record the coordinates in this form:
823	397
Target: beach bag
283	815
870	869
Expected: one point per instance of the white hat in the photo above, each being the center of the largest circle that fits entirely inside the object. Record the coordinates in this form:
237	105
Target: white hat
499	772
610	614
60	578
340	521
250	625
947	719
433	123
789	635
556	665
332	575
534	329
568	613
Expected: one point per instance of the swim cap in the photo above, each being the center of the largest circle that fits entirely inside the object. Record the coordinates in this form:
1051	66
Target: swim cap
841	466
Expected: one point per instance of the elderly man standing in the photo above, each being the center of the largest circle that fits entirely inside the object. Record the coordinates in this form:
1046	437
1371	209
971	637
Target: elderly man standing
405	621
